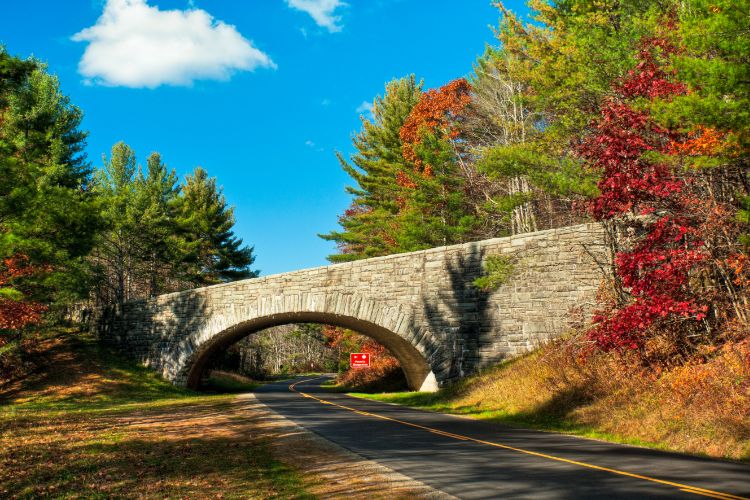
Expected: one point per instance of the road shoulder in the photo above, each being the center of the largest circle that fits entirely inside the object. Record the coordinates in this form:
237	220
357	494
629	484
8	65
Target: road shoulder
329	470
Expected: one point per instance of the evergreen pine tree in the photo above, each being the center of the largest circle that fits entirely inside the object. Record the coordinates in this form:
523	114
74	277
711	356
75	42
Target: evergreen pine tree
369	225
206	219
47	213
162	246
116	252
435	207
436	210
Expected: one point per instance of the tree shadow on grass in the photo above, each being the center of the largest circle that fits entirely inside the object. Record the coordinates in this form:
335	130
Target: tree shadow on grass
107	367
82	375
210	447
555	413
184	450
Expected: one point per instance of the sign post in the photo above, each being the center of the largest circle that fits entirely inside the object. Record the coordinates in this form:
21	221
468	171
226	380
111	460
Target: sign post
359	360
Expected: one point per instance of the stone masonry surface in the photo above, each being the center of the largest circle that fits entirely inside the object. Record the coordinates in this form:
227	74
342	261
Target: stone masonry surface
421	305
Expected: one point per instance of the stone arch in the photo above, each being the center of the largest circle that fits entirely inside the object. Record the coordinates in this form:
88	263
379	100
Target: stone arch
414	359
422	305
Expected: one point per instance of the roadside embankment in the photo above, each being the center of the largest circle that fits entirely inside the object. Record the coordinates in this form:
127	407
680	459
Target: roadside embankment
702	407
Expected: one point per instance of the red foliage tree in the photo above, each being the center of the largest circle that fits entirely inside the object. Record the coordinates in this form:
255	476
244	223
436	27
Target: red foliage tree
15	312
382	363
644	195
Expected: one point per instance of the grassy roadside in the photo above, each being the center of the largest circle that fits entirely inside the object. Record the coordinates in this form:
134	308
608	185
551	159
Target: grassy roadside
231	383
94	425
701	409
446	402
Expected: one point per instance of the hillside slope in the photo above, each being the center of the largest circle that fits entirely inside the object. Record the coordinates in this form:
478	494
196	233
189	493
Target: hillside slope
702	407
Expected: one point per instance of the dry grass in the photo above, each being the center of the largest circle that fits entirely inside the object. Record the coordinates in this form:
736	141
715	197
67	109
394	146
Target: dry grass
702	407
91	425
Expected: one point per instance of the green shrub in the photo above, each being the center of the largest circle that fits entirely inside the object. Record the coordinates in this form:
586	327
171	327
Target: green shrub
498	269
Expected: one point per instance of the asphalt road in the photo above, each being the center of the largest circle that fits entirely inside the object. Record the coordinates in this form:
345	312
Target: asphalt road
474	459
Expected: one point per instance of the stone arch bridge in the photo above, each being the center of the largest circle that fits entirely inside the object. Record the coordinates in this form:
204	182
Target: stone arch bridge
422	306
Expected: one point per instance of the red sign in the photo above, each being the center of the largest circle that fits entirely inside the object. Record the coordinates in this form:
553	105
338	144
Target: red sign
359	360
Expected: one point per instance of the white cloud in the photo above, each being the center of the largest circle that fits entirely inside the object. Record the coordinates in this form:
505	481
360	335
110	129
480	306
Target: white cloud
365	109
366	106
134	44
312	145
323	12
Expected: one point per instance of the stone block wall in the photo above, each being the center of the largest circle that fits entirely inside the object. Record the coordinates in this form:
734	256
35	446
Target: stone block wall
421	305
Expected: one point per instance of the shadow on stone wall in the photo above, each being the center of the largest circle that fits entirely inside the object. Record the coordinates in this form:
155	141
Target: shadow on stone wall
187	314
150	331
460	341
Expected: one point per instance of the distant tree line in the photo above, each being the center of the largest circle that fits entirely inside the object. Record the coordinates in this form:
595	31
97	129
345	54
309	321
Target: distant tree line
311	348
282	350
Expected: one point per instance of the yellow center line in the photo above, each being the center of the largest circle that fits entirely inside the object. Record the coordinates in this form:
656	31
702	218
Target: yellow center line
682	487
705	493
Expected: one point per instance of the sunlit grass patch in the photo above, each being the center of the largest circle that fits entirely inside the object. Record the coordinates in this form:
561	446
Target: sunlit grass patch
96	425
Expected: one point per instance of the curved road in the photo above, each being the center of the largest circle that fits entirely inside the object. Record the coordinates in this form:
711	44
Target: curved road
473	459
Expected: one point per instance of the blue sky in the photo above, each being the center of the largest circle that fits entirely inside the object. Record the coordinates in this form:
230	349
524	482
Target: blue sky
271	93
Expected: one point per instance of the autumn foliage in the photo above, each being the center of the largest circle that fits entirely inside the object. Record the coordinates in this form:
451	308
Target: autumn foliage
15	311
665	226
384	368
435	112
705	141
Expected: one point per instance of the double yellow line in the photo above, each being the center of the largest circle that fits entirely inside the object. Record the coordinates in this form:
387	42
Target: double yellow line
682	487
